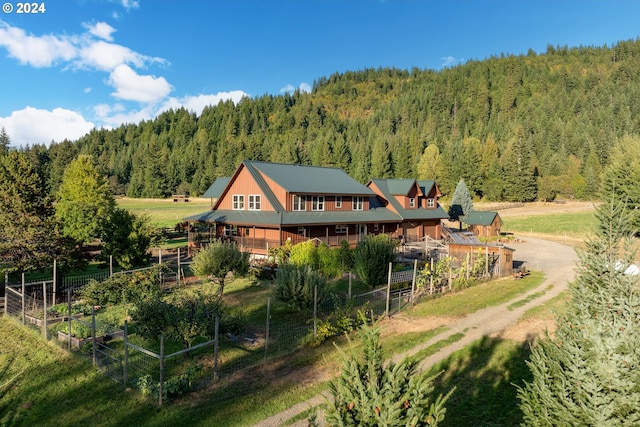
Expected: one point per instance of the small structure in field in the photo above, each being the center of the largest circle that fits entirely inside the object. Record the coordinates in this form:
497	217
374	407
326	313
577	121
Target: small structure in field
484	224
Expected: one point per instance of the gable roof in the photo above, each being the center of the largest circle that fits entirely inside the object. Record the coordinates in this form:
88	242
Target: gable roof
303	179
481	217
400	186
216	189
426	185
406	214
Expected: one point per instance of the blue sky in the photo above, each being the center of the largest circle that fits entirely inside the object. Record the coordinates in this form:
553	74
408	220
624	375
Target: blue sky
81	64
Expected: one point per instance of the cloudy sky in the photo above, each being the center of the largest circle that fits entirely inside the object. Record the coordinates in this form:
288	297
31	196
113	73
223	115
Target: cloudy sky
79	64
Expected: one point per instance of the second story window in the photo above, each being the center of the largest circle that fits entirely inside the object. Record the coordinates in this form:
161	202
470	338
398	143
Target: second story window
238	202
412	202
255	202
338	202
299	203
357	203
317	203
431	203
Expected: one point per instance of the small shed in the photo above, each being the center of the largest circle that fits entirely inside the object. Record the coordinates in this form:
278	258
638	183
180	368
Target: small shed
485	224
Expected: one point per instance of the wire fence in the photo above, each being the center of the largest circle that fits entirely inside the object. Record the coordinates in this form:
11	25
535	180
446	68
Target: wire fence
162	368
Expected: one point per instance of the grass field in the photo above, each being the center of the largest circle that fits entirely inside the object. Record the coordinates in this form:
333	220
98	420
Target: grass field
575	225
164	213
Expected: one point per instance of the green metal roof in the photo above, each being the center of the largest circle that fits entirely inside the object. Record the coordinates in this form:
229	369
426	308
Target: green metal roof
480	218
426	185
408	214
400	186
217	188
310	179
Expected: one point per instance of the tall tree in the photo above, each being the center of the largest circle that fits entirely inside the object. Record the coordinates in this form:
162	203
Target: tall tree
461	203
429	166
29	234
587	373
4	141
622	175
85	203
381	166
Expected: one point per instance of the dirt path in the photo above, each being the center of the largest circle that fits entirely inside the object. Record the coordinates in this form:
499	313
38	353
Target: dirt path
556	260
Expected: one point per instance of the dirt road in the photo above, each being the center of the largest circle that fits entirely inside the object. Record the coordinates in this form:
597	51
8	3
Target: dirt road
556	260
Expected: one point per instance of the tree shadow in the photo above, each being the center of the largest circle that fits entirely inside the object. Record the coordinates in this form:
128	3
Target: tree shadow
484	375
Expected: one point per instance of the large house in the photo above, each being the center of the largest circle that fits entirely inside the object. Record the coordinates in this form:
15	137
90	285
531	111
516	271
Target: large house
263	205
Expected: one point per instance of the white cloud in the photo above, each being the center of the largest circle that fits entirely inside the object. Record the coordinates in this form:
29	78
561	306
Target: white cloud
43	51
100	29
131	86
130	4
35	126
198	102
449	61
107	56
304	87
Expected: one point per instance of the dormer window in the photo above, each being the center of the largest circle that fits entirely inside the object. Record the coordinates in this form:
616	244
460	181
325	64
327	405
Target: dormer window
431	203
412	202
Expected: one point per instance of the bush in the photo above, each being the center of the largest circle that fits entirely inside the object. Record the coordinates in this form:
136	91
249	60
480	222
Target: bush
295	286
124	288
371	259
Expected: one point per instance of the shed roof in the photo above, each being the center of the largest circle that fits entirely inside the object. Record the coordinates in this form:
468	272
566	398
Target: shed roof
481	217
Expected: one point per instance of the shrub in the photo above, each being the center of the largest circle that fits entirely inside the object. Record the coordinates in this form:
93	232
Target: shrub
124	288
371	259
295	286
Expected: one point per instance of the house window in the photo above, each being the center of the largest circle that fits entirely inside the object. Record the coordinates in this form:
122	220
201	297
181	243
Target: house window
376	227
230	230
317	203
255	202
431	203
238	202
301	231
357	204
299	203
412	202
341	229
338	202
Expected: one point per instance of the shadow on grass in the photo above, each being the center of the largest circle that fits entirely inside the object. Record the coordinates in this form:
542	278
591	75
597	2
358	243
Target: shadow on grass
484	375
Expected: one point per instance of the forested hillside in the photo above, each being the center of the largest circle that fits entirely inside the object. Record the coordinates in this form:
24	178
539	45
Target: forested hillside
514	127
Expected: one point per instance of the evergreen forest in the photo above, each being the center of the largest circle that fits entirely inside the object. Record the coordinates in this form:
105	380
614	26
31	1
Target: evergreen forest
515	128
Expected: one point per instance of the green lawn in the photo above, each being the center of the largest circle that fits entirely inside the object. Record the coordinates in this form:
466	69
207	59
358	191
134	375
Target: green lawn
570	224
164	213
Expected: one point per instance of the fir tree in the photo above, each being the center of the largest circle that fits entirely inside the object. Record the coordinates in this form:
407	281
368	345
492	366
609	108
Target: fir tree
4	141
461	203
587	373
370	393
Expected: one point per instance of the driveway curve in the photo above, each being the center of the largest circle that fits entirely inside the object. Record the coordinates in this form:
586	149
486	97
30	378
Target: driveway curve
555	260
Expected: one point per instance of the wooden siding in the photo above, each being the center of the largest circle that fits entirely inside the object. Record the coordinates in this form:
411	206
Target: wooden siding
245	185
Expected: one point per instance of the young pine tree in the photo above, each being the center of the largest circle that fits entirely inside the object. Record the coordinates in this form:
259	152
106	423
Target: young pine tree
587	373
369	392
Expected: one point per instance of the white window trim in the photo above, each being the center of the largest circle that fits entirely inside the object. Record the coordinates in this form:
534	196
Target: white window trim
431	203
338	202
302	200
341	229
255	199
238	202
317	203
357	203
412	202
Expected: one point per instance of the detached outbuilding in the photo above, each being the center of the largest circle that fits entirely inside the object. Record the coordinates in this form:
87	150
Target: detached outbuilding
484	223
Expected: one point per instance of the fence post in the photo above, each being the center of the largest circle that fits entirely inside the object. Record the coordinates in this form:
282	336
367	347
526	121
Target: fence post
388	290
125	374
44	321
413	282
349	285
160	391
23	301
266	337
431	278
93	334
110	265
55	281
215	348
315	310
69	318
178	278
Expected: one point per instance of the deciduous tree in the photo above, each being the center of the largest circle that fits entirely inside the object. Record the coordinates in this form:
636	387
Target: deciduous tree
221	262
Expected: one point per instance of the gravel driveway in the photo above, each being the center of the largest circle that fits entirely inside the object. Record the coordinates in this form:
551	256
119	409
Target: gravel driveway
556	260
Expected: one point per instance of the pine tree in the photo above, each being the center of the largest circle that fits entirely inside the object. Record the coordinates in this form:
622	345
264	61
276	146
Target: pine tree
4	141
587	373
461	203
370	393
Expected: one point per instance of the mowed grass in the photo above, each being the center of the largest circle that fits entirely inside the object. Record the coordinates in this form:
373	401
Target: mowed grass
164	213
577	225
